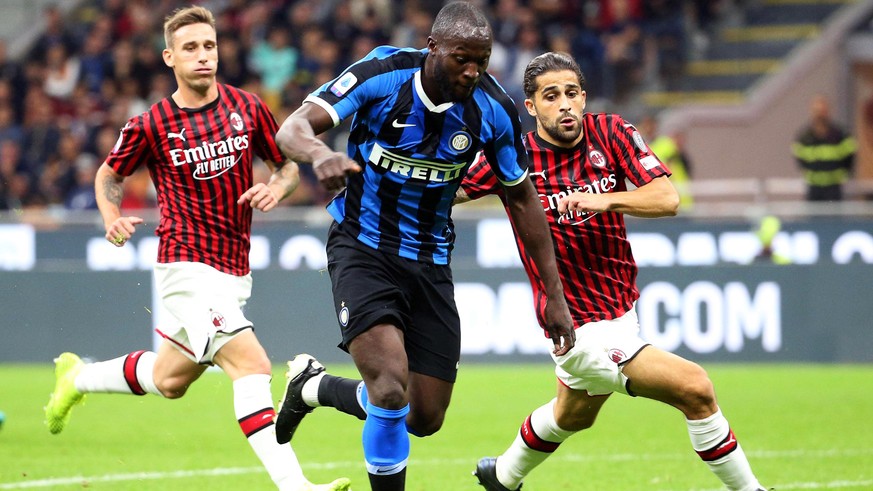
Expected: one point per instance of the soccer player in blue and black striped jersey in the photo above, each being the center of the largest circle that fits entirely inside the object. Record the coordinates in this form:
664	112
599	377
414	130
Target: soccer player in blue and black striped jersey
420	119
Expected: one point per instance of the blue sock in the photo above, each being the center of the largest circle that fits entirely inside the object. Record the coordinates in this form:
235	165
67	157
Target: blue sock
386	444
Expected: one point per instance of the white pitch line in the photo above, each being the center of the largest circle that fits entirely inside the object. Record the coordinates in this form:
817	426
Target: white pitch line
225	471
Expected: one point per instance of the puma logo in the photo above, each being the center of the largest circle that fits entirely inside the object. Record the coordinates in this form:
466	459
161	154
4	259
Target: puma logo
180	135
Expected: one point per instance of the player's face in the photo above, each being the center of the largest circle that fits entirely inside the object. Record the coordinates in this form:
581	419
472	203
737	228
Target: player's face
458	65
558	106
194	56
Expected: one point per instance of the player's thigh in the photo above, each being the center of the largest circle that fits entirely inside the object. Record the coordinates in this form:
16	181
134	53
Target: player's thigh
243	355
366	287
174	372
669	378
380	358
576	410
433	338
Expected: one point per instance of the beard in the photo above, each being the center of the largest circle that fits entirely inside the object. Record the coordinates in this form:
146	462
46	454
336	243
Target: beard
559	133
449	91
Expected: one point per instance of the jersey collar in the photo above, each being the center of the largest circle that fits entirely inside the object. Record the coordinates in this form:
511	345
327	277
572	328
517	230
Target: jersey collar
426	100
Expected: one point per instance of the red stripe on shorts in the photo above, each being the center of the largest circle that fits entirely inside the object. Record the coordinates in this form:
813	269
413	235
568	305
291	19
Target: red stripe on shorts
130	372
257	421
726	446
178	344
535	442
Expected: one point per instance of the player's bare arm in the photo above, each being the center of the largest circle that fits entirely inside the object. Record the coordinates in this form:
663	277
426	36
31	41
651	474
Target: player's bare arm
107	187
527	214
656	199
298	139
283	182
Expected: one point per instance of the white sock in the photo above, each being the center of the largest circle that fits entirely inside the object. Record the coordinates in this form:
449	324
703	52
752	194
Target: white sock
129	374
716	445
537	439
310	390
253	406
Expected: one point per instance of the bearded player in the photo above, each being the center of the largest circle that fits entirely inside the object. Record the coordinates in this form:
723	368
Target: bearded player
580	163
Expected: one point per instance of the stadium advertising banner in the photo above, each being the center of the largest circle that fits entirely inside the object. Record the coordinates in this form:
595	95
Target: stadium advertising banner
703	295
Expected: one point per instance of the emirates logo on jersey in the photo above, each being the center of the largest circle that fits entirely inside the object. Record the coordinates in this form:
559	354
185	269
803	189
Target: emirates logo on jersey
212	159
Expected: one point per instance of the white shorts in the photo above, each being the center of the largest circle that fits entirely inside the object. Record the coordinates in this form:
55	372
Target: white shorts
602	349
204	307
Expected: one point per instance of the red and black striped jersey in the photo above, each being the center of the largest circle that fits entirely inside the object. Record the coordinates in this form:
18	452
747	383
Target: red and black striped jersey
200	161
594	257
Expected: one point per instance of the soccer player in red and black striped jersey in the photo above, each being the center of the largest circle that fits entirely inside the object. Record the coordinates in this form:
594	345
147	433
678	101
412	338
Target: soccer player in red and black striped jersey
199	145
579	162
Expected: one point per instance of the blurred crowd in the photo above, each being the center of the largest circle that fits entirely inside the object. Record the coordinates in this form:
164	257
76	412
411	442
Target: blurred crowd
63	103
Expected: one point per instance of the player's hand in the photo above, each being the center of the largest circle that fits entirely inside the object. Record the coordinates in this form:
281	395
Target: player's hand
260	197
121	230
333	169
582	202
559	325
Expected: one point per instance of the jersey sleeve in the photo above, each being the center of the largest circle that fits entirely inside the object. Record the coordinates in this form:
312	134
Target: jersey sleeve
505	152
265	137
480	180
131	149
373	77
637	161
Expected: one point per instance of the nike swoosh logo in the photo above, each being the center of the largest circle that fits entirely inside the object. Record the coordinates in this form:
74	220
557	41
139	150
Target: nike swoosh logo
397	124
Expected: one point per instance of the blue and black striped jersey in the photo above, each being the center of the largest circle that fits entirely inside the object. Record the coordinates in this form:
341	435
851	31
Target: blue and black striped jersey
414	153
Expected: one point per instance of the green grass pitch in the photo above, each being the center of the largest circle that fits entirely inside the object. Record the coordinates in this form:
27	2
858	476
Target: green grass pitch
802	426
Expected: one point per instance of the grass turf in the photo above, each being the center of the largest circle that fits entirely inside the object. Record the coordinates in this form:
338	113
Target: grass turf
802	426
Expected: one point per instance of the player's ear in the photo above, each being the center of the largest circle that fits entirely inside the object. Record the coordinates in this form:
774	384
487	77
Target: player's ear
531	109
168	57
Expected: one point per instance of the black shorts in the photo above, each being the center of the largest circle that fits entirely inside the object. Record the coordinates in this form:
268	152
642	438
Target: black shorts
371	287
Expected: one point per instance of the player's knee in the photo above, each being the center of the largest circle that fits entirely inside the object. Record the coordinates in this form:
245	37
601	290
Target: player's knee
698	393
172	388
575	421
426	425
387	395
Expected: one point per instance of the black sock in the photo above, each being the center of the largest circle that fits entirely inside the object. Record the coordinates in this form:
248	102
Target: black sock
390	482
341	393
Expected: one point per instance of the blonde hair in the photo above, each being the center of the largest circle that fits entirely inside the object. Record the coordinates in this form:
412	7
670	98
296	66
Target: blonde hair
185	17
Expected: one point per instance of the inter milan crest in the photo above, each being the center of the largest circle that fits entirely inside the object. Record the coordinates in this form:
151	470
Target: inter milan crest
460	141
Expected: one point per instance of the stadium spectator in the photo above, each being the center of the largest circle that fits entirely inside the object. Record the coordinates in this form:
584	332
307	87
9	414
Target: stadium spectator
588	48
597	266
57	176
421	116
55	33
41	131
9	128
275	61
14	181
95	60
62	72
669	147
620	22
202	272
825	153
81	193
122	35
664	30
